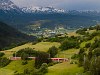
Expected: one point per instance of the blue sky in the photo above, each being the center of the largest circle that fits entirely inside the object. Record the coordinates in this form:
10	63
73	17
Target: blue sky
63	4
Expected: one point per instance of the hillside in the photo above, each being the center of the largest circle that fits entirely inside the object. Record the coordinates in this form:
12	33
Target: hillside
77	49
10	37
14	65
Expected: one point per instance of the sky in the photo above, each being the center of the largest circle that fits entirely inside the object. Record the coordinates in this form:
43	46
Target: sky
61	4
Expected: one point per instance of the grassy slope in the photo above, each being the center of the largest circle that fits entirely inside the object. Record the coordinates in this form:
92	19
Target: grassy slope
42	46
6	72
64	69
67	53
16	66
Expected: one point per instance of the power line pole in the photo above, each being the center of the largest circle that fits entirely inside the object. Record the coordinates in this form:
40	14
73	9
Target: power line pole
84	59
15	55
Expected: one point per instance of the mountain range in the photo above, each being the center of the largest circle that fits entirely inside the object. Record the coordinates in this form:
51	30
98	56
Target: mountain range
7	5
45	17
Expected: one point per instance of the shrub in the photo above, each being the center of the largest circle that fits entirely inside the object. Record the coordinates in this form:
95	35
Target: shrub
44	68
75	56
24	62
96	52
26	72
4	62
87	45
75	62
1	54
24	56
81	31
91	28
67	44
42	57
71	62
95	66
52	51
29	51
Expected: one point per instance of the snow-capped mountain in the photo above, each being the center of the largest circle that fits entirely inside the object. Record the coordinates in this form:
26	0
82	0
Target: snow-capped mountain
9	6
42	10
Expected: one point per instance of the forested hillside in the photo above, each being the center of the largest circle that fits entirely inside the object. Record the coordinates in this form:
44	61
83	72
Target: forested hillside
10	37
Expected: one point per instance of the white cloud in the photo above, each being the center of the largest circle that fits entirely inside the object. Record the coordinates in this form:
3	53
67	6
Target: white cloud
66	4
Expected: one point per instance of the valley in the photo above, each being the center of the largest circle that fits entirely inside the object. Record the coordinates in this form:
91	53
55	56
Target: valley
49	37
69	67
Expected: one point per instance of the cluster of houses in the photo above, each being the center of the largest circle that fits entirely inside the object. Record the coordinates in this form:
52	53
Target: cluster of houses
51	33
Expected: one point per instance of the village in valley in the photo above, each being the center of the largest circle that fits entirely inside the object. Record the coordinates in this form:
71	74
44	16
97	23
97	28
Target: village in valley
47	33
